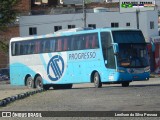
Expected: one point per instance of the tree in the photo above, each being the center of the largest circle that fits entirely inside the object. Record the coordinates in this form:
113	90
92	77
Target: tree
8	12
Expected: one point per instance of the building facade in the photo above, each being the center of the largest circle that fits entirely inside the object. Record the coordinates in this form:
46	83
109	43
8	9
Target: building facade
44	24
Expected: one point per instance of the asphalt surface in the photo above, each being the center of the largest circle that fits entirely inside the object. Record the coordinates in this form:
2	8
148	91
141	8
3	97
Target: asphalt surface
84	97
139	96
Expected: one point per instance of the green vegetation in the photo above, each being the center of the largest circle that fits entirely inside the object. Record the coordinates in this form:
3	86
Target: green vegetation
8	14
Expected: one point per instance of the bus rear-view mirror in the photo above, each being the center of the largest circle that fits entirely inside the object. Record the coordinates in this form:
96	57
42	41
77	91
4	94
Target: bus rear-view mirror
115	48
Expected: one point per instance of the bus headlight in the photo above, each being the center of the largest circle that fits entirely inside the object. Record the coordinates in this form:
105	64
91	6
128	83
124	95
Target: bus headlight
120	70
147	69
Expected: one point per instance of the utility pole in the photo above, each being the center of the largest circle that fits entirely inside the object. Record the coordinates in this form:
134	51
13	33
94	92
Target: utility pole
84	14
137	17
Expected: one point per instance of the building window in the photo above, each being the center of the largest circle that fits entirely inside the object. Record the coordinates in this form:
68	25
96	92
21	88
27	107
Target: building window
151	24
56	28
32	31
92	25
128	24
114	24
71	26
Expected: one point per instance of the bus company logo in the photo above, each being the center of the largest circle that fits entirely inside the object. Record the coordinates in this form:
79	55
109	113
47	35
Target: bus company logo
55	68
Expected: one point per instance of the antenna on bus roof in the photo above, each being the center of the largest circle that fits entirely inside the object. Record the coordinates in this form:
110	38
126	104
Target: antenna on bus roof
74	29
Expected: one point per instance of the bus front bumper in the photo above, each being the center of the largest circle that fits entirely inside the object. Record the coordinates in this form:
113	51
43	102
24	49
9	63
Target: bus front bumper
132	77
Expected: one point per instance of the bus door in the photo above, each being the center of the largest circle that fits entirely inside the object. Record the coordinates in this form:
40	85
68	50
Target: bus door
108	55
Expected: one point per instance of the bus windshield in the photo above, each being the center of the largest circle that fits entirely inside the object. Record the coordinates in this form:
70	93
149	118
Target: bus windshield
128	36
132	55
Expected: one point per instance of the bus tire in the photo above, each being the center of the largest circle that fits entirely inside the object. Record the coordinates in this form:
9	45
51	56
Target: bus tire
125	84
97	81
29	82
38	82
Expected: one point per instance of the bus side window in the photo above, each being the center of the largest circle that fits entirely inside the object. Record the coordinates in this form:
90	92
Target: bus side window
90	42
94	42
52	45
80	42
17	48
69	43
25	48
37	43
65	47
72	43
87	42
21	49
31	49
59	45
42	46
13	49
91	38
47	46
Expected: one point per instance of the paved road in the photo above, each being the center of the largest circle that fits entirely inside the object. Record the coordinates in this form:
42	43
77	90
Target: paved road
140	96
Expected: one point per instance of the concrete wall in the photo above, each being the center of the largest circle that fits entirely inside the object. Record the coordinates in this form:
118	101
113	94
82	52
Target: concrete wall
45	23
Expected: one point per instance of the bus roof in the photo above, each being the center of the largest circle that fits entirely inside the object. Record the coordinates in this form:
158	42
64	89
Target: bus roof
70	32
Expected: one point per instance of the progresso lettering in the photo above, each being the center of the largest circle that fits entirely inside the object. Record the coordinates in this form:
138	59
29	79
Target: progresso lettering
80	56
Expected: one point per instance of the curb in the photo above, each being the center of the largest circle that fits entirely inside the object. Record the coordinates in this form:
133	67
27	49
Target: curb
11	99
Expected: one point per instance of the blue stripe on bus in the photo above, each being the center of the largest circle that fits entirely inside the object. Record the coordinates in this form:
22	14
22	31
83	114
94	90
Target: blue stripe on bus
50	55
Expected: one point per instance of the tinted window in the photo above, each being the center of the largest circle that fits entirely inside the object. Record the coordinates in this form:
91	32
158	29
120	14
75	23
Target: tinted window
56	44
128	37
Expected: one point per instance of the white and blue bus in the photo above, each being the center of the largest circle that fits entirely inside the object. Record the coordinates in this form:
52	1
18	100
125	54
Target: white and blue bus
99	56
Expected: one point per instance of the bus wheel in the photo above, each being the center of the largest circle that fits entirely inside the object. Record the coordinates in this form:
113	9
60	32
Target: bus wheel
125	84
29	82
97	81
38	82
